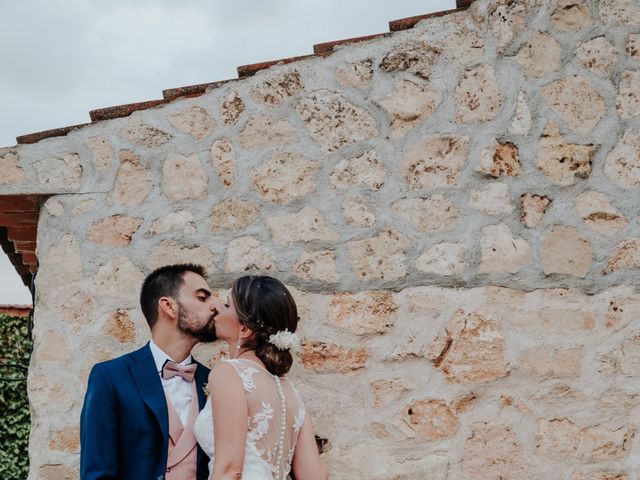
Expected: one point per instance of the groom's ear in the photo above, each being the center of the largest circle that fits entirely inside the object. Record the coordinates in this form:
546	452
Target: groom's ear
169	306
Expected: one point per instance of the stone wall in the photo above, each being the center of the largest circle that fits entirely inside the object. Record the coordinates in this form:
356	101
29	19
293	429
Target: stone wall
456	208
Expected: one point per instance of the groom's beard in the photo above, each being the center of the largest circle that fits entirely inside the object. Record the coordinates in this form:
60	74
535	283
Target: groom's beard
188	323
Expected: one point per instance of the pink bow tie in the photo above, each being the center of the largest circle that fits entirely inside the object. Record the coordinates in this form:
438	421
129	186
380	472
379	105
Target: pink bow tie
171	369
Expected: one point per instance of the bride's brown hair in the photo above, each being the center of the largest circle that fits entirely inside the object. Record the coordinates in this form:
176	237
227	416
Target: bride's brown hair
266	306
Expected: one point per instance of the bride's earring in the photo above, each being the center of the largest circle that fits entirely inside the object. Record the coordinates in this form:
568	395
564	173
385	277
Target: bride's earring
238	347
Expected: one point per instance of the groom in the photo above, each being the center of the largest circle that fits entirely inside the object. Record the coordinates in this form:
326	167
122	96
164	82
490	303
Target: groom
139	409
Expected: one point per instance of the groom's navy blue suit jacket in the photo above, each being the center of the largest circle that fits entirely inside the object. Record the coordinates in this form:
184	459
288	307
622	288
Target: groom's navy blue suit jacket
124	425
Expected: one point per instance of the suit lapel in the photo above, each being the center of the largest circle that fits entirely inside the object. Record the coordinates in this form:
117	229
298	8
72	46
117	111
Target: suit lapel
201	377
146	378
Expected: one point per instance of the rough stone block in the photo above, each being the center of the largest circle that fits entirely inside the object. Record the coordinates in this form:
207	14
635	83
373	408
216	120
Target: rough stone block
500	159
494	451
317	266
381	257
625	255
277	87
66	440
118	278
539	56
408	105
443	259
478	97
628	99
429	420
493	199
502	252
83	206
521	124
576	102
359	211
263	131
599	475
334	122
181	220
633	46
120	327
117	230
57	472
364	170
305	226
183	177
566	251
571	15
169	253
11	171
53	347
60	266
60	174
470	349
559	438
386	391
246	254
194	121
134	181
103	153
598	214
436	213
435	161
506	20
560	161
414	57
598	56
331	358
285	177
363	313
233	214
224	162
619	12
533	208
623	162
357	74
231	108
547	362
136	131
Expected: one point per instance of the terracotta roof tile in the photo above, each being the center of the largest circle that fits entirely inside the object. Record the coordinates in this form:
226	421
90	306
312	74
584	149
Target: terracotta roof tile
16	310
193	90
249	70
123	110
321	49
410	22
325	49
56	132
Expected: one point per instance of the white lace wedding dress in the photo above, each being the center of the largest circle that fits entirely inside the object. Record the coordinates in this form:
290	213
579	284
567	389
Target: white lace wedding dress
276	414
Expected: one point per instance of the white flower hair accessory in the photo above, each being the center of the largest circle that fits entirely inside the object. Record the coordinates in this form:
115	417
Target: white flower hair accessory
285	340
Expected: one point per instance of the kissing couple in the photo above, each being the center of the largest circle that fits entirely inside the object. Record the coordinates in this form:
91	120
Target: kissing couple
146	415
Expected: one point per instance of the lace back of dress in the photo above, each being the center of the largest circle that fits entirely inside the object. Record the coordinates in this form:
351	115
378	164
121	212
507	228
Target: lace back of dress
275	416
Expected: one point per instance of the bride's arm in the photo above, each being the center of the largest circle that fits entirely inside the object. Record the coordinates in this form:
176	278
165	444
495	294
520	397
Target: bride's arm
307	464
230	414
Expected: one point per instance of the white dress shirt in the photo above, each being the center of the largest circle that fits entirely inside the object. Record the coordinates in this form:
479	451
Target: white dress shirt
176	388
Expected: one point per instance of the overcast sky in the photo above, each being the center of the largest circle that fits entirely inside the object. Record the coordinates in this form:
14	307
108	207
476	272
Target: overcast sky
61	58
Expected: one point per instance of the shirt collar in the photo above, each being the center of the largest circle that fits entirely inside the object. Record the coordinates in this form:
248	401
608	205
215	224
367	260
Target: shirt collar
159	356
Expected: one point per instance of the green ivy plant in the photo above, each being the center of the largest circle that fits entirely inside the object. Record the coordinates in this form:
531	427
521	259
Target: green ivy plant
15	349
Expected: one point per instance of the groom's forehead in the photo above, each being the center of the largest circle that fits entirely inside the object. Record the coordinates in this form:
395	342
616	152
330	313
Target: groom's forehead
192	282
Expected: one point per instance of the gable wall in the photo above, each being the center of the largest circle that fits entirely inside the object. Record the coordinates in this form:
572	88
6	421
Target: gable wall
455	208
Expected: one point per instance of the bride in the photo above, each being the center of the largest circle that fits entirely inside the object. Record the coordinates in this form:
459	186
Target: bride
254	425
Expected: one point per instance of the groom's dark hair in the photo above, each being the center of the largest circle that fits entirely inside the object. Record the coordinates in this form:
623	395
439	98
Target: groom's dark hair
164	282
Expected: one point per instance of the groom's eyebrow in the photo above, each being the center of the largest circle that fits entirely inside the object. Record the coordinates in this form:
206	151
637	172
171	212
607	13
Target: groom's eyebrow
204	292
